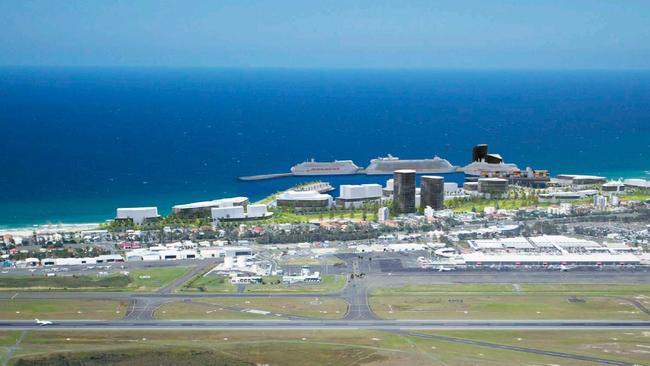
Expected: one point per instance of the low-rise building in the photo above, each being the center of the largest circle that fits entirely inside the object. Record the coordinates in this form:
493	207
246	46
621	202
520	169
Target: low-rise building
305	276
357	195
304	200
137	214
493	187
613	187
204	208
637	184
578	181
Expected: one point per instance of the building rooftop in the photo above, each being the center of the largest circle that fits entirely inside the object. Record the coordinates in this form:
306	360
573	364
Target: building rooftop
213	203
303	195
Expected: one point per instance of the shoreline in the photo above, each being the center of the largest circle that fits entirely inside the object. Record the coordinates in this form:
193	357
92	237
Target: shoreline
23	230
85	225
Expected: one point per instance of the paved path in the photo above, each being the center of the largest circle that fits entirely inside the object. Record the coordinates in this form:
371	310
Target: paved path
12	349
186	277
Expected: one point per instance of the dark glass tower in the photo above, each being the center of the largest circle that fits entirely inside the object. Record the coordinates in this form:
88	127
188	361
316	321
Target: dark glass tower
432	192
404	191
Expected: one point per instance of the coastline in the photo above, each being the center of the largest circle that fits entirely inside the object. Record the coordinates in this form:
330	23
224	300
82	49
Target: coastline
22	230
82	222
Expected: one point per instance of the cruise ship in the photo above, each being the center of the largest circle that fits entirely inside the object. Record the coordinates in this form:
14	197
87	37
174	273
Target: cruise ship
389	164
485	164
482	168
336	167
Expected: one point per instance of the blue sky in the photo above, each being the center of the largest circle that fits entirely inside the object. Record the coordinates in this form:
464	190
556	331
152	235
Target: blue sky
568	34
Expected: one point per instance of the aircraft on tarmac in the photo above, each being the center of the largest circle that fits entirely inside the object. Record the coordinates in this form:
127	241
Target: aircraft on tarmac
43	322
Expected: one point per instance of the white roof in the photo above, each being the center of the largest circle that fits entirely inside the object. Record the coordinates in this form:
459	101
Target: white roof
579	176
614	183
303	195
492	180
487	244
616	245
562	241
205	204
642	183
517	243
550	258
137	208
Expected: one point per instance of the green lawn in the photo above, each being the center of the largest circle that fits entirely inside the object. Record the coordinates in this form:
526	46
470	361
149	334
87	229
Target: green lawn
233	308
631	346
329	283
139	280
500	301
152	279
64	282
8	338
62	309
341	347
479	204
209	283
636	196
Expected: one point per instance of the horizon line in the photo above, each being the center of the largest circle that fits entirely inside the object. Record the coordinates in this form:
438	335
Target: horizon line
317	68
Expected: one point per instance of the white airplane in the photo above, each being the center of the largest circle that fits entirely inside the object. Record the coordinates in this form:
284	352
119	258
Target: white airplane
43	322
445	269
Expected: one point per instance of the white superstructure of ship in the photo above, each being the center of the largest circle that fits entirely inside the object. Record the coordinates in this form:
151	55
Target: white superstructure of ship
389	164
336	167
482	168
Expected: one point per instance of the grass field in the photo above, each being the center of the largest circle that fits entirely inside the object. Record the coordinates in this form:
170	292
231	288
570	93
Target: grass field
329	283
631	346
291	348
139	280
636	196
525	301
480	203
58	283
209	284
62	309
231	308
152	279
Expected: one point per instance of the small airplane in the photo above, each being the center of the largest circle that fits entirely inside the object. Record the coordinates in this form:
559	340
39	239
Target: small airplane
43	322
445	269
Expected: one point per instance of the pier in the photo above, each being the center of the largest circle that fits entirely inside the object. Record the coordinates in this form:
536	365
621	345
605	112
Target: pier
265	176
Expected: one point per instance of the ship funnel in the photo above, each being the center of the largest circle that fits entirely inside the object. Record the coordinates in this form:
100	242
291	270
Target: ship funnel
479	152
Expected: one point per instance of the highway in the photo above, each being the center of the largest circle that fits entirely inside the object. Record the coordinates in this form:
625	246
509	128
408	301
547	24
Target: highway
375	324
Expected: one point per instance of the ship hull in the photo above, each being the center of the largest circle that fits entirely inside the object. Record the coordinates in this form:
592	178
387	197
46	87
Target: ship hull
317	173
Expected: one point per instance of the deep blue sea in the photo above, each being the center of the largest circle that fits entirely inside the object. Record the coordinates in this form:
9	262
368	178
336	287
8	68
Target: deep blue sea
77	143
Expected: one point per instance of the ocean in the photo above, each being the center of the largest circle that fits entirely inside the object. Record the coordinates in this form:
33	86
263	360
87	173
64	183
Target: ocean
79	142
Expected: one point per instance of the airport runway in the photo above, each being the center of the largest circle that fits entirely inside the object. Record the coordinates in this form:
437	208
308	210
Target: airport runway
326	324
